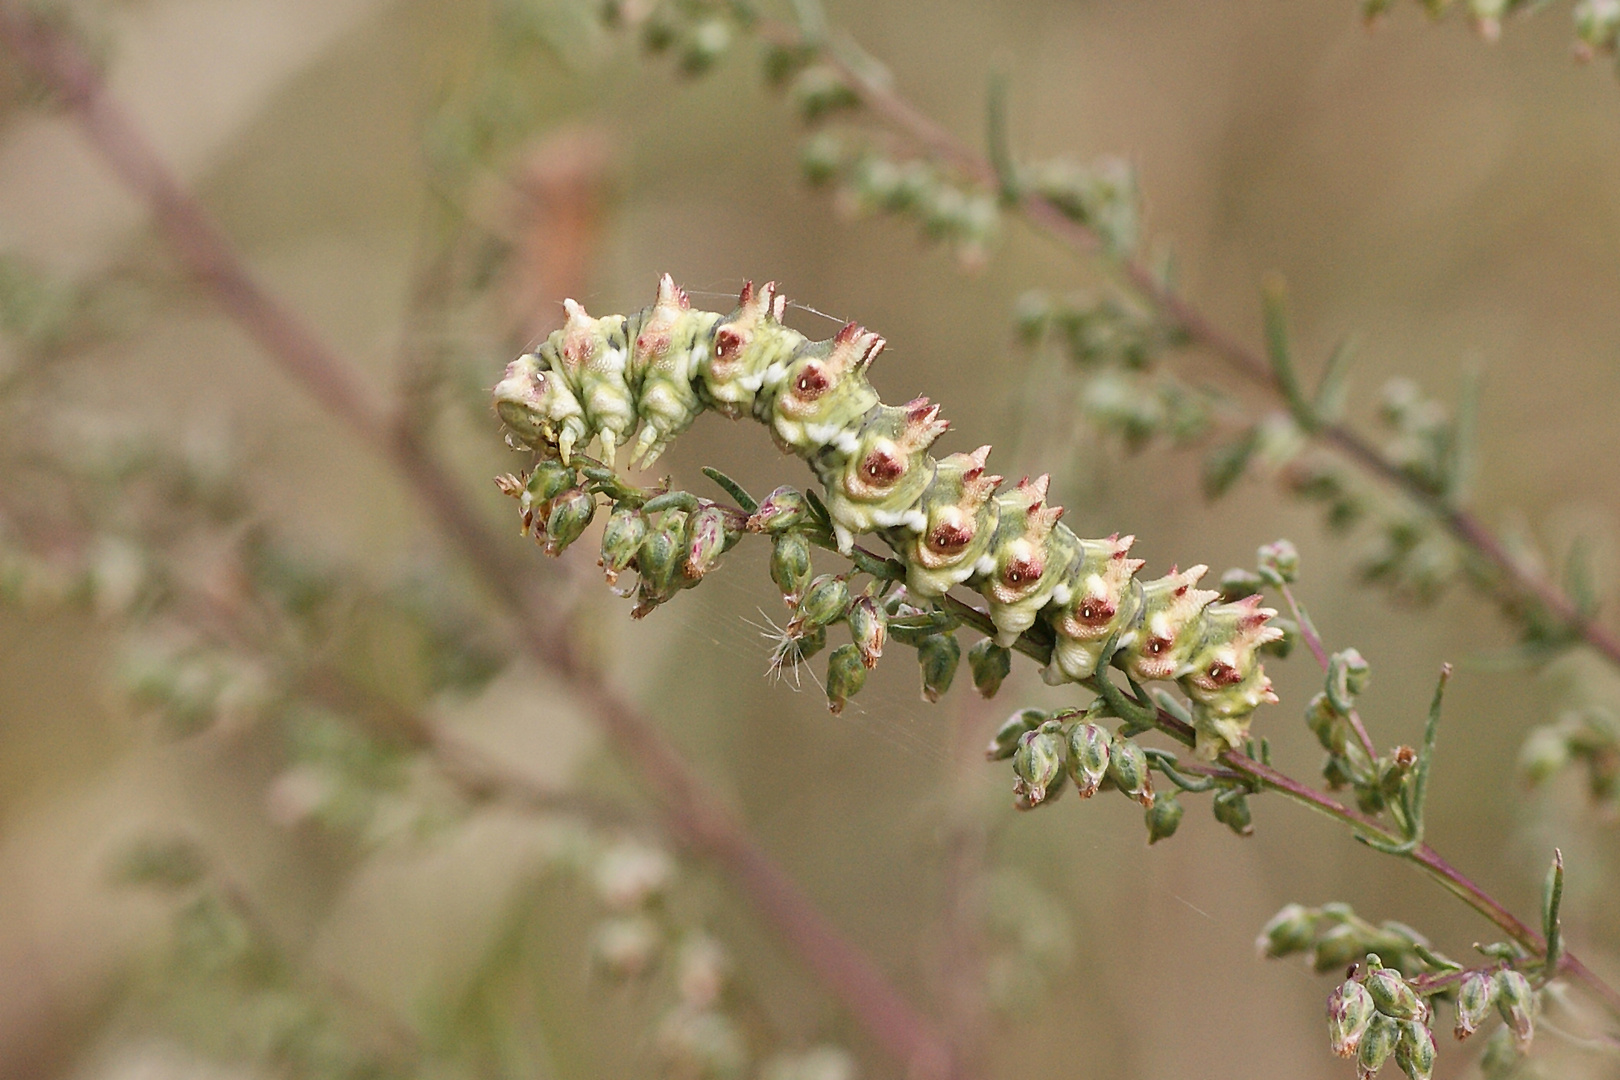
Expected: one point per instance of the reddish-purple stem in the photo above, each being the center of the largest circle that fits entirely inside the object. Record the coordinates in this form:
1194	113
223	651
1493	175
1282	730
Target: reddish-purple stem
1525	581
694	813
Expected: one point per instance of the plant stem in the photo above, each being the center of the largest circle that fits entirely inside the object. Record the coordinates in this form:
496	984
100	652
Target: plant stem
695	815
1423	856
1516	578
1313	641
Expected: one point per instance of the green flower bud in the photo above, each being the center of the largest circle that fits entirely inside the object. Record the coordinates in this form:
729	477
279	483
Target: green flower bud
1391	994
1038	764
938	655
1324	720
1415	1052
1336	771
1476	995
783	509
820	90
846	674
790	565
571	512
1377	1044
549	479
869	629
1291	930
1163	817
1128	768
1347	677
1004	743
822	157
1350	1010
990	664
704	46
1279	558
660	555
622	538
1231	809
1517	1004
707	538
1336	949
1238	583
1544	753
1597	25
1032	314
825	601
811	642
1088	757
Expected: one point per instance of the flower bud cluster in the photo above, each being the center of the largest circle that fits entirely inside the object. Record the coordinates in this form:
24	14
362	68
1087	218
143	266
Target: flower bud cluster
1332	937
1588	737
1330	716
963	217
1115	343
641	933
1376	1015
1597	22
671	541
1102	196
643	378
1048	750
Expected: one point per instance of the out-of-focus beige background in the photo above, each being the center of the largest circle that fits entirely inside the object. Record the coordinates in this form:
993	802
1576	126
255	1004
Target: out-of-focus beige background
1447	202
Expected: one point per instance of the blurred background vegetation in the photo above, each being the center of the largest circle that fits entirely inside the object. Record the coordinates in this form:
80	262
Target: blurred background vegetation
1453	206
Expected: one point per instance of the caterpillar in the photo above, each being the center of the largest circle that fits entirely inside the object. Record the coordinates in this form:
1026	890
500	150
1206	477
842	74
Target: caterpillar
642	379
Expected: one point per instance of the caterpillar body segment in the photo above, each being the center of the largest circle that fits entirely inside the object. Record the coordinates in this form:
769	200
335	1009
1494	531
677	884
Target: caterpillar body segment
642	380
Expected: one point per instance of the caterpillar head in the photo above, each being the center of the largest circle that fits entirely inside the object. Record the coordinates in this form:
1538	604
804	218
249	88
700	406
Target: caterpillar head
892	450
825	384
537	405
1171	624
1099	589
1021	558
659	322
1220	671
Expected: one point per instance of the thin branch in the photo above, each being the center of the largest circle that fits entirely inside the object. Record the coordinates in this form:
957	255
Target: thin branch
1313	640
695	815
1467	529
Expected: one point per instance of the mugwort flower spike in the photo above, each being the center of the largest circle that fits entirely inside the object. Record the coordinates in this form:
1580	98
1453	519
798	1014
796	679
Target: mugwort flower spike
641	380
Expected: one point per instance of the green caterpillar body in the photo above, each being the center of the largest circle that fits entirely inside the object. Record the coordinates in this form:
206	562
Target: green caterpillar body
648	376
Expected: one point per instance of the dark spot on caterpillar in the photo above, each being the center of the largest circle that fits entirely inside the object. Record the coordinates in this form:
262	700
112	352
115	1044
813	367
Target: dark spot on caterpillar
948	537
882	467
1022	570
1224	674
1157	646
1096	614
728	343
812	382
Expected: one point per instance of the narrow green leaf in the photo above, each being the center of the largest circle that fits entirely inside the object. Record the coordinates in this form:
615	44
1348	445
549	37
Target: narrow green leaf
1578	584
672	500
1225	463
1330	391
998	141
1552	898
1420	774
744	500
1464	434
1274	299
